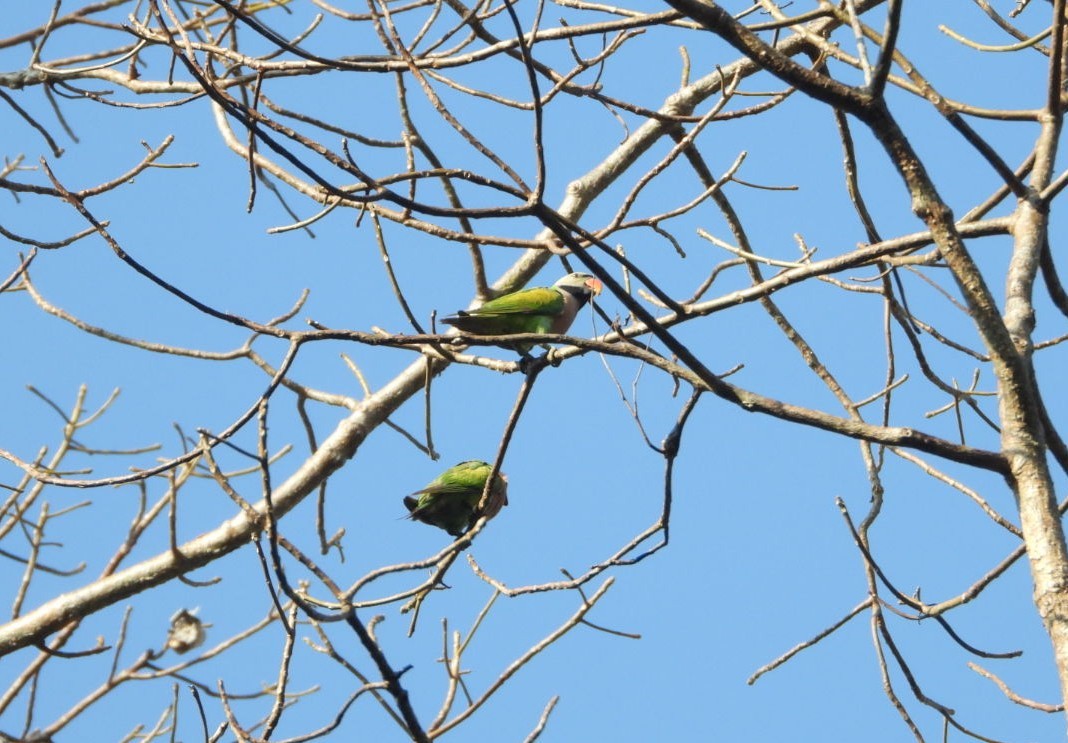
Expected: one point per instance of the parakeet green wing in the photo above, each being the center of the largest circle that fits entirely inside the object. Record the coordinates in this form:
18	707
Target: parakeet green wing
539	300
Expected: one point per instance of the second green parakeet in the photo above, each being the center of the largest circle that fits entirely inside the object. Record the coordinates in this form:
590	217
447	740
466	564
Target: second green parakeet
450	501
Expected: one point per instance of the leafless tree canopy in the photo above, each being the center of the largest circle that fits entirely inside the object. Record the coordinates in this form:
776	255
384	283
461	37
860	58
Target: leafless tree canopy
492	140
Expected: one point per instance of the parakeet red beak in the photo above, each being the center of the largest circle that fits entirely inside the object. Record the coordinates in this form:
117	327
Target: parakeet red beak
594	285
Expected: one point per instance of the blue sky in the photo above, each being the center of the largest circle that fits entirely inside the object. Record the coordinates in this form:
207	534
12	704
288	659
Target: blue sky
759	558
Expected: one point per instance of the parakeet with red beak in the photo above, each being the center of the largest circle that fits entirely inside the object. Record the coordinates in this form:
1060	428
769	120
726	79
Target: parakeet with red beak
542	309
450	501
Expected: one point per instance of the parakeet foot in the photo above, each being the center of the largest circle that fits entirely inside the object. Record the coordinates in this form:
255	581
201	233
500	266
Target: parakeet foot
525	361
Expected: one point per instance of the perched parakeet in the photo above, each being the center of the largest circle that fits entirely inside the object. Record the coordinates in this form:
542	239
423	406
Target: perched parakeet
450	502
542	309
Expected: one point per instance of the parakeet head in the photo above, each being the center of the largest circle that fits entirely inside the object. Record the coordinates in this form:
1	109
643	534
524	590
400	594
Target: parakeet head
582	282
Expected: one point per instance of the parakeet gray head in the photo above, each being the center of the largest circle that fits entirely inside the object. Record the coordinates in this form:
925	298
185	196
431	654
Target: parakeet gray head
580	283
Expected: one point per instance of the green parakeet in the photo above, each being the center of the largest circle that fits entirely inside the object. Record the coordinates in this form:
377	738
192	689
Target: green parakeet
542	309
450	502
